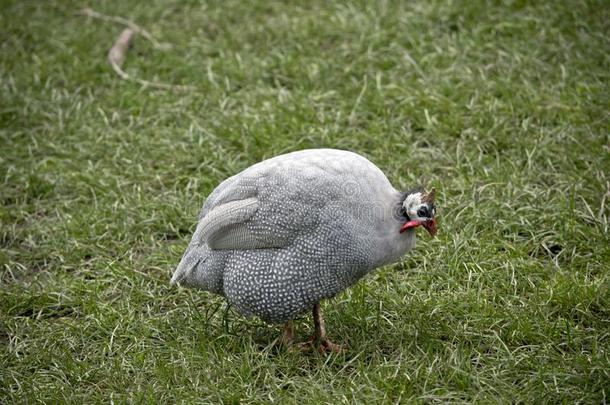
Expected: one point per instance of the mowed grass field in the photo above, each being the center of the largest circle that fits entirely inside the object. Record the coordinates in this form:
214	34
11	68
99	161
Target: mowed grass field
502	106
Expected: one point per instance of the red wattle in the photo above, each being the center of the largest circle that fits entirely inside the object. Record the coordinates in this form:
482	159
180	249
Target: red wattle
410	224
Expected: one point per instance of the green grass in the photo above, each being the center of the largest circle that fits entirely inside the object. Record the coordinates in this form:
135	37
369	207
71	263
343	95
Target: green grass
503	106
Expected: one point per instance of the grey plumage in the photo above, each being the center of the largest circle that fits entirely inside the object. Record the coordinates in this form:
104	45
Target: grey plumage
292	230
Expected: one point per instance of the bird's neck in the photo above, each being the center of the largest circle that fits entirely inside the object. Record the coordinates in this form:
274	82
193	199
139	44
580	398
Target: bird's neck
390	243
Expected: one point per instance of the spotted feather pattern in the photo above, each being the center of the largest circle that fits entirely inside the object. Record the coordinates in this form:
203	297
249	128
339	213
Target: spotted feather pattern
292	230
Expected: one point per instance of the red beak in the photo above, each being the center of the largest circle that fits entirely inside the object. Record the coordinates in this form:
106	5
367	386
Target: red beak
430	225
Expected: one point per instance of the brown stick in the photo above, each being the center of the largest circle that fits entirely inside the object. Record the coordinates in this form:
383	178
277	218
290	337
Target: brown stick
128	23
116	58
118	53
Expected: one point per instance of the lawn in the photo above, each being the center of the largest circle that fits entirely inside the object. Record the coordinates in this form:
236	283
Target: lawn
502	106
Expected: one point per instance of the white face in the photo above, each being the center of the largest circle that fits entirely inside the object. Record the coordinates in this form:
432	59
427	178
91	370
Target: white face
416	210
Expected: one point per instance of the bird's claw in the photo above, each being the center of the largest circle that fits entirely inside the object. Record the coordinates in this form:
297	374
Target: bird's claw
321	344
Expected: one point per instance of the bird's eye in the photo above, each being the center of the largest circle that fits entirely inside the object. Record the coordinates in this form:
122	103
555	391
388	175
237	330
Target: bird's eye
422	212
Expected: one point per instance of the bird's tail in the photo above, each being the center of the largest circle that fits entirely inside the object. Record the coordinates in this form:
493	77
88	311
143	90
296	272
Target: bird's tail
189	262
194	254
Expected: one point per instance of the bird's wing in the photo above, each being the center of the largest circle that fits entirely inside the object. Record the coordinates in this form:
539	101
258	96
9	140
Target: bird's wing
226	226
255	210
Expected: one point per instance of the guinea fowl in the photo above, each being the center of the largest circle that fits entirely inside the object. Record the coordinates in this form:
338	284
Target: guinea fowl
290	231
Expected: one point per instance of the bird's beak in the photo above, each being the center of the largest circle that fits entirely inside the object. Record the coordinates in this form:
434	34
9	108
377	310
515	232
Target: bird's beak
430	225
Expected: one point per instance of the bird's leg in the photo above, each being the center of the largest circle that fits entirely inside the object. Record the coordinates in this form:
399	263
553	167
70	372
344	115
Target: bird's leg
318	340
288	335
318	323
320	334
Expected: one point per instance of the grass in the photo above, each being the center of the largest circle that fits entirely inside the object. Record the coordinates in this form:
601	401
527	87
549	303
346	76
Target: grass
503	106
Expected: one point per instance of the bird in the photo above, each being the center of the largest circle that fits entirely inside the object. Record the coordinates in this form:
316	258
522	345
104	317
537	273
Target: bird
291	231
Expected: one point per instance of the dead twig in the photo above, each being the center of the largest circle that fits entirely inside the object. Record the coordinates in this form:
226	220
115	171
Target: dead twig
128	23
118	53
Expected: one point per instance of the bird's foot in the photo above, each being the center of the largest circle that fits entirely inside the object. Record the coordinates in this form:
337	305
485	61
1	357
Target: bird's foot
321	344
328	346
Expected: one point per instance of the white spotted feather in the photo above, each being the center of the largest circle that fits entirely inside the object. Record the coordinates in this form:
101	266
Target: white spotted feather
292	230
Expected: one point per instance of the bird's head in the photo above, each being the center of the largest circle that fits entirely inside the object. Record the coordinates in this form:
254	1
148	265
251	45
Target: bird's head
418	208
